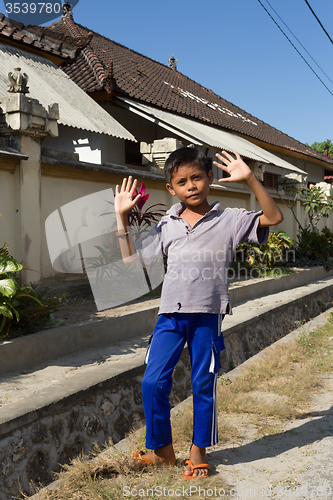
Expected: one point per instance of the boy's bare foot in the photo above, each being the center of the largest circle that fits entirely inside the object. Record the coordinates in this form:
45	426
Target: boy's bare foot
162	456
197	456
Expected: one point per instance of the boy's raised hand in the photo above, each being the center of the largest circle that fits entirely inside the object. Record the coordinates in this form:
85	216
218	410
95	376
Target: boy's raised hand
236	167
124	201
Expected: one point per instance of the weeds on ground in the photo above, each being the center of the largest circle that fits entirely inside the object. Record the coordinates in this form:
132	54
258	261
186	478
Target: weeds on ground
276	388
281	383
109	475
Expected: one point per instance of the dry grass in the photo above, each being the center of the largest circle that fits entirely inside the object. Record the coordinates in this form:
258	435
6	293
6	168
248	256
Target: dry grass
276	388
110	475
280	384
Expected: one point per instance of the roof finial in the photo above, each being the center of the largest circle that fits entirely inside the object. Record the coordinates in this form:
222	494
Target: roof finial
172	63
67	10
17	82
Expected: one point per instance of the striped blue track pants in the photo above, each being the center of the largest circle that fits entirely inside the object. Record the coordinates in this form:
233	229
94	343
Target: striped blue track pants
202	332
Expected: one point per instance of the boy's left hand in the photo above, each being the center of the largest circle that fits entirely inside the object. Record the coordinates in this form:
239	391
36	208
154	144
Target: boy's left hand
236	167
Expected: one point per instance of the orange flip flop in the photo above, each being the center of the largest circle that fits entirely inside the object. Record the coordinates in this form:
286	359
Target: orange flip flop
137	455
193	468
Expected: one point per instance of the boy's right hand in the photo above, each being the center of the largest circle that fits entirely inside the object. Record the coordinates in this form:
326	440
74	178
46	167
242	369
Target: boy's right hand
124	202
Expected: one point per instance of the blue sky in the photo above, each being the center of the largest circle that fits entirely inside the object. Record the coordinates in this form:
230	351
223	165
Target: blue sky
234	48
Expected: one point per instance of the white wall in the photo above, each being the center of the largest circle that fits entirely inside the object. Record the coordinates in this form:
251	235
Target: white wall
9	207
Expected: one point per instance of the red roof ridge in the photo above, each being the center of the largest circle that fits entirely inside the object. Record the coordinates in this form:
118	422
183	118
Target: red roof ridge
127	48
34	36
96	65
83	41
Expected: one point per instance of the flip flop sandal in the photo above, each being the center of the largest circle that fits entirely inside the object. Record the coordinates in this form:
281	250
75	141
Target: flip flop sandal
137	455
193	468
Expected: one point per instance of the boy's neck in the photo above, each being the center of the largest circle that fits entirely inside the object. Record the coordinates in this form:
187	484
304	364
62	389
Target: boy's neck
199	210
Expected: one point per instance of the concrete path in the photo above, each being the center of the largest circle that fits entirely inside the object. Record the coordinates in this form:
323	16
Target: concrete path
297	462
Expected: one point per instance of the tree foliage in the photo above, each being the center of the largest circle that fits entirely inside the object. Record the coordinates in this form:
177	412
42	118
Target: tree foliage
322	147
316	205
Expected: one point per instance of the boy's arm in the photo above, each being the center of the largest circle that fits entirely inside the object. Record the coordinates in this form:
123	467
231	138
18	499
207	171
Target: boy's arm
240	172
123	204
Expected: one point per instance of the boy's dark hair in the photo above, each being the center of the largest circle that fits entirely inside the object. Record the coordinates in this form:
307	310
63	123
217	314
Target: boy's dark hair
184	156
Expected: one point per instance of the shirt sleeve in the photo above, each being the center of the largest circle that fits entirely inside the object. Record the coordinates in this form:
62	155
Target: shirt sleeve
247	229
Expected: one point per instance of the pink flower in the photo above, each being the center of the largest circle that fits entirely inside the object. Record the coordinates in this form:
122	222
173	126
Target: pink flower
144	196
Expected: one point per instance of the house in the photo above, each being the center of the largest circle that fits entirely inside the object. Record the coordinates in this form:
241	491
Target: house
158	109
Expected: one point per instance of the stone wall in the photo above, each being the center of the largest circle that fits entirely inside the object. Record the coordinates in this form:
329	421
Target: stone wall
62	430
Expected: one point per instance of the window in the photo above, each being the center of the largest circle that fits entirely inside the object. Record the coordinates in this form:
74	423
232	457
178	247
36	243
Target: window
271	181
328	176
218	173
132	153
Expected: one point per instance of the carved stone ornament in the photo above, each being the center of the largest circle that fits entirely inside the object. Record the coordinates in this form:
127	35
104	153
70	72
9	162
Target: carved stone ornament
172	63
79	41
17	82
67	10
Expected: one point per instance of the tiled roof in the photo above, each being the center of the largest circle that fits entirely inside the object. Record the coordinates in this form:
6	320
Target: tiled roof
103	64
35	37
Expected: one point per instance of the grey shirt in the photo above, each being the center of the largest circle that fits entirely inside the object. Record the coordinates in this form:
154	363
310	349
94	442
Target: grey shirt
198	257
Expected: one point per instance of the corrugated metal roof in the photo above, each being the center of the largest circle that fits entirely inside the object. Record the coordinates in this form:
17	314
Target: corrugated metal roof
49	84
201	134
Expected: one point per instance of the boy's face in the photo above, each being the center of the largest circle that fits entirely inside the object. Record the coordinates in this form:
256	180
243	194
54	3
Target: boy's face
190	184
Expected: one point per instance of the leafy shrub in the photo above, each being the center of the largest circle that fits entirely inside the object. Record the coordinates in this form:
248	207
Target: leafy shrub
316	204
33	316
268	254
314	247
22	303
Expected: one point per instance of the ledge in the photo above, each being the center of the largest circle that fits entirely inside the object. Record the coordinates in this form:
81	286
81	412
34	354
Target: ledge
41	348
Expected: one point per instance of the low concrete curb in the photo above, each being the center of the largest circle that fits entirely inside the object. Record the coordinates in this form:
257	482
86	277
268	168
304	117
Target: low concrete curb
40	348
243	291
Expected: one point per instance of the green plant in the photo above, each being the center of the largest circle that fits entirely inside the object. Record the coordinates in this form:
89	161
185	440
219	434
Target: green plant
141	221
272	251
16	301
267	254
314	247
11	290
316	204
4	252
324	147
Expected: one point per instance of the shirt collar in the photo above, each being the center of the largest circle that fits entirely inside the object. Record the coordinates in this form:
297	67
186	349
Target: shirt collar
177	208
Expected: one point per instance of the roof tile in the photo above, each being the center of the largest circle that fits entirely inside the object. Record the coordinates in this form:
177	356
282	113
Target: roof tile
34	36
140	78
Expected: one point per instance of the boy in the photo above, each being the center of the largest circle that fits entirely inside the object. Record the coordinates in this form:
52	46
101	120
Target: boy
199	241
